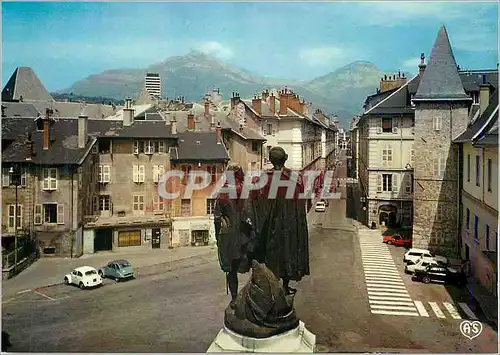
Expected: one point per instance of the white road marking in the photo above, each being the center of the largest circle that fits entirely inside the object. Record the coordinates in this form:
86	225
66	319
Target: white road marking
389	291
21	292
437	310
44	295
387	294
396	308
452	310
467	310
389	298
395	313
421	309
380	264
370	285
383	274
396	303
384	282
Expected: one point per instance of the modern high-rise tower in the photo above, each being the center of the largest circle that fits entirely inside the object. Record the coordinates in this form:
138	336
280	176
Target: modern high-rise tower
153	84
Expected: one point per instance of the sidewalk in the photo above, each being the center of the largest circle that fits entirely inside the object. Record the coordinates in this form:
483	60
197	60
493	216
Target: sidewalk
487	302
48	271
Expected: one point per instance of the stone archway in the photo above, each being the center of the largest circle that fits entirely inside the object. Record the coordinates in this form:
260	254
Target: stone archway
387	214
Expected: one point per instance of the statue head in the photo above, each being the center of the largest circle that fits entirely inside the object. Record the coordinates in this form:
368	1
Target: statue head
278	157
237	170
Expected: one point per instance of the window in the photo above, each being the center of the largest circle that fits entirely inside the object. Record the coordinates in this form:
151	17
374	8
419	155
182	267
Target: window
489	175
53	213
210	206
478	169
104	174
15	218
38	215
387	125
409	184
412	156
386	182
138	203
437	123
387	155
468	167
440	212
158	203
467	219
104	203
104	146
138	173
6	177
95	148
185	207
439	167
24	174
186	170
50	179
269	130
149	147
476	227
255	146
158	171
487	239
212	170
160	147
136	147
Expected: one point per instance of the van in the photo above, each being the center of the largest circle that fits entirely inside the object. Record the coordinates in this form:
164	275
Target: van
415	254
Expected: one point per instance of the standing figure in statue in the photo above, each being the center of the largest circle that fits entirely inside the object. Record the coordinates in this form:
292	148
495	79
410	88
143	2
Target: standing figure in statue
282	228
233	231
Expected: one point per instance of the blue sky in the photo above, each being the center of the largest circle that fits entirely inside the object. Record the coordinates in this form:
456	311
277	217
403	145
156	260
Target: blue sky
65	42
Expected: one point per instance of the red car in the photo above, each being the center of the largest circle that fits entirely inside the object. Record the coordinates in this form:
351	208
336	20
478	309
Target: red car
397	240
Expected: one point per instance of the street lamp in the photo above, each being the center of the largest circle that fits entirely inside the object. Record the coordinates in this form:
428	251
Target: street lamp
15	173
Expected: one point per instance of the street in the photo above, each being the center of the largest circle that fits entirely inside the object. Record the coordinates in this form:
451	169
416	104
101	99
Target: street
182	310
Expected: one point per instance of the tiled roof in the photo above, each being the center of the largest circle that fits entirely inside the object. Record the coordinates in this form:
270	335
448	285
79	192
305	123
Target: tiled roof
480	124
74	109
471	79
399	101
19	109
63	147
440	80
25	84
144	98
201	146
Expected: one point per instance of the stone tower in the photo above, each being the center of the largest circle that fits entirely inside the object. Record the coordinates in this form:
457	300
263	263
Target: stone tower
441	115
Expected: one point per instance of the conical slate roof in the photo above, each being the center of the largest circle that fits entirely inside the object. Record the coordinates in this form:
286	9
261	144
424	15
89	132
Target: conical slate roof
440	80
144	98
25	84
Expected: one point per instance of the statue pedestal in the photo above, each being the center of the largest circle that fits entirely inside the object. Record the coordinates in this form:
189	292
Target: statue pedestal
298	340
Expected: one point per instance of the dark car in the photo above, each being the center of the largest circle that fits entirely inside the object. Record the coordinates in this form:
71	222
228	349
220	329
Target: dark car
441	274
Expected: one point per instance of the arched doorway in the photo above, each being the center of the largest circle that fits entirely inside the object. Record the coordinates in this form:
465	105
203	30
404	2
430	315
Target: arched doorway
387	214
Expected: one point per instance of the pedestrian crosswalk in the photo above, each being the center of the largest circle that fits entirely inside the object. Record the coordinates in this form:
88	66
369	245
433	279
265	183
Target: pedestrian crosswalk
387	293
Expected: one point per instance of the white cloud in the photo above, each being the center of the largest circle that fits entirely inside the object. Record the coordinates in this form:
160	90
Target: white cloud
216	49
321	56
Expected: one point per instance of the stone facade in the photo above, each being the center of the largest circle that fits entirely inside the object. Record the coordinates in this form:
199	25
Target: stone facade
436	188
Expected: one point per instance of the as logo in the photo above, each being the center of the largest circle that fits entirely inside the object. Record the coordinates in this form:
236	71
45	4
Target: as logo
471	330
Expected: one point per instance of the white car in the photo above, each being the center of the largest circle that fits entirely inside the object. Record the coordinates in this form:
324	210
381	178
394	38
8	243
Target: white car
414	254
421	264
320	207
84	277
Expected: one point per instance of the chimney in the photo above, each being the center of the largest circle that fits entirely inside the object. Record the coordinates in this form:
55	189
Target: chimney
257	104
173	122
83	122
265	94
484	95
421	66
29	147
46	129
284	101
235	99
128	113
191	123
217	133
272	103
207	108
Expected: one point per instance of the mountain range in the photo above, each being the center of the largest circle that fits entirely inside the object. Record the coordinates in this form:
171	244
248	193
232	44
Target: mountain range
341	92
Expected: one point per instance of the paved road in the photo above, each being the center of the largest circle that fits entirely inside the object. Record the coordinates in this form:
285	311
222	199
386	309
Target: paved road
182	311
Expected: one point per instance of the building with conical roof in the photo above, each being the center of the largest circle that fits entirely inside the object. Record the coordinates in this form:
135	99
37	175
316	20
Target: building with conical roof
24	85
441	115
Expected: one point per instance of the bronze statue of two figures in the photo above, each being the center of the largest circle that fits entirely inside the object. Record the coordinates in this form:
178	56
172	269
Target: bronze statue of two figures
269	235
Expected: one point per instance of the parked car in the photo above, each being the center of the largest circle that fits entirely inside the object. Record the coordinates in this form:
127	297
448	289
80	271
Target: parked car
117	270
414	254
420	264
320	207
440	274
84	277
397	240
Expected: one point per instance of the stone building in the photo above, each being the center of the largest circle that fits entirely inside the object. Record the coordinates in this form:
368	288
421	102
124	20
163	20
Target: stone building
441	115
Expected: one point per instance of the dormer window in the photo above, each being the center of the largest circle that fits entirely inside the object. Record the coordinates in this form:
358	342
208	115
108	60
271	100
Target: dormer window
39	124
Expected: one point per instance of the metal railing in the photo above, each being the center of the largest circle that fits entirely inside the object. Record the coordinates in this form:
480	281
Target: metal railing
25	251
